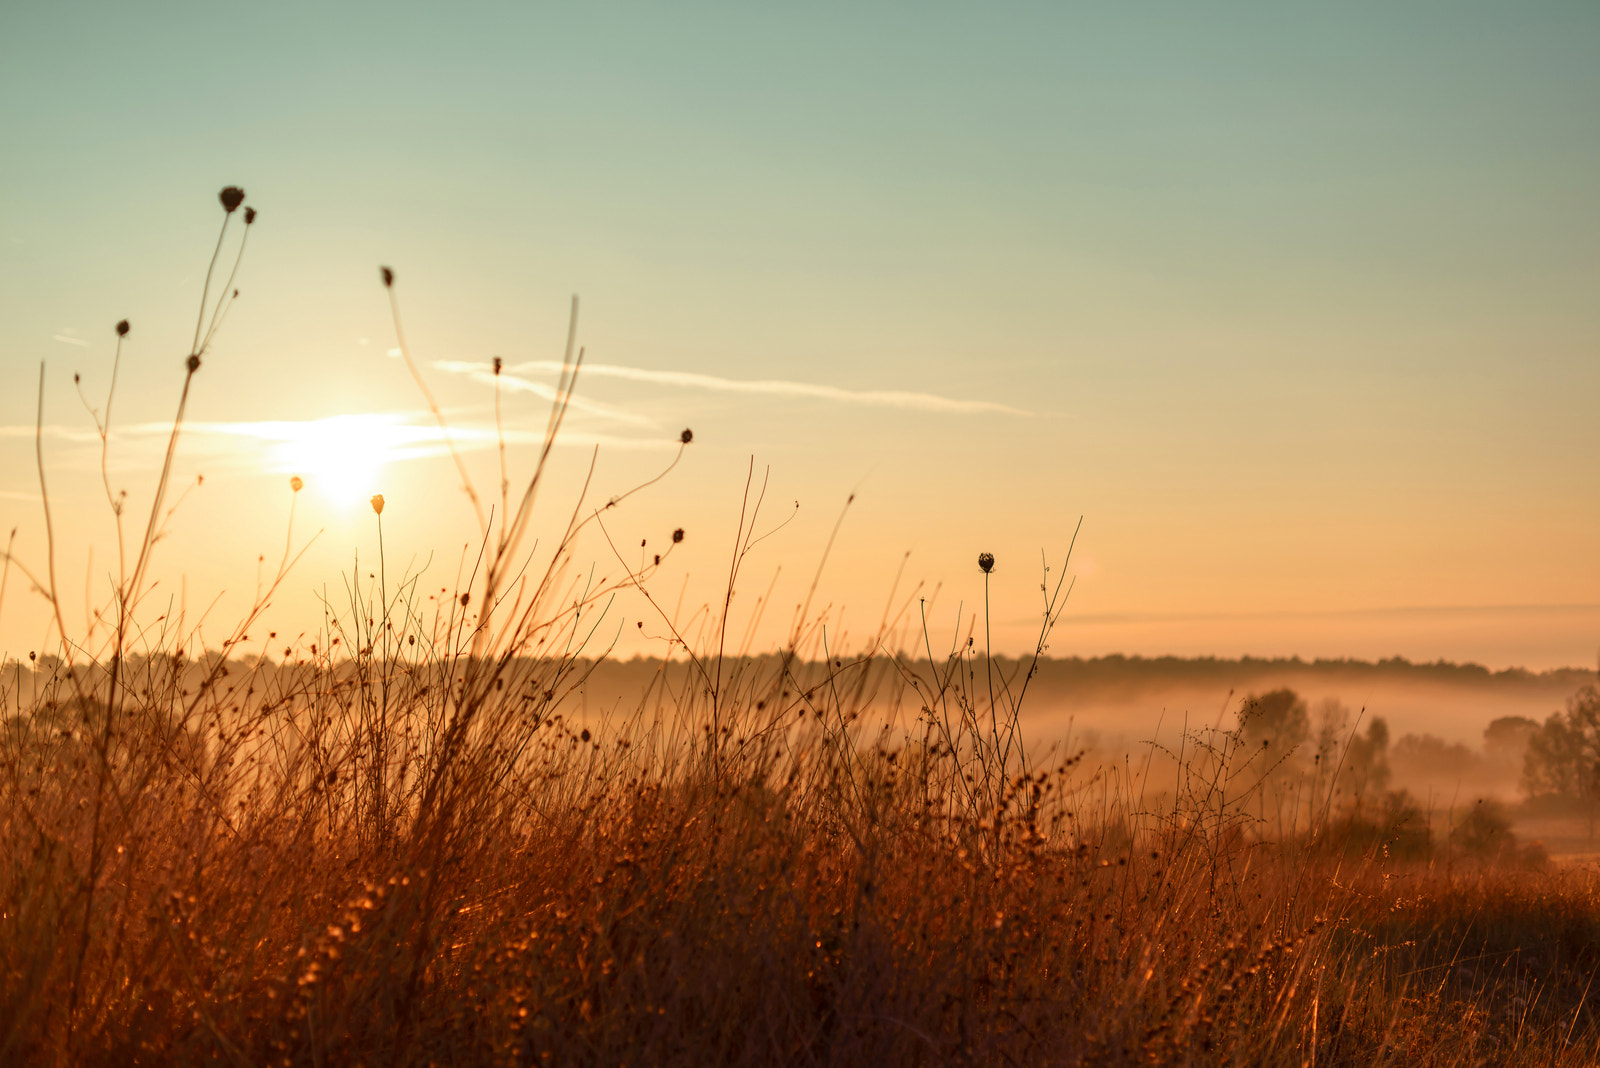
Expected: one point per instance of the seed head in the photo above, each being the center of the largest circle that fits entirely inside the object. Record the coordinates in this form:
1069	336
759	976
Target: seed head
687	436
377	503
249	216
193	363
231	196
498	363
122	328
986	562
388	277
296	483
677	535
466	598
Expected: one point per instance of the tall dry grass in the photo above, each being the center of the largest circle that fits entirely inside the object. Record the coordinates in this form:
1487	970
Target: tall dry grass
399	844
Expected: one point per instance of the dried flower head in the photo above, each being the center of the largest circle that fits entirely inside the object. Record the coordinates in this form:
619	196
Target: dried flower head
122	328
687	436
193	363
498	363
296	483
387	275
377	503
466	598
249	216
677	535
231	196
986	562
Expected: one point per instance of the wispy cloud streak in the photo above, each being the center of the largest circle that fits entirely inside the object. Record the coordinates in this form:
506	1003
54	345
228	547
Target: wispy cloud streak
878	398
52	431
376	436
484	374
406	436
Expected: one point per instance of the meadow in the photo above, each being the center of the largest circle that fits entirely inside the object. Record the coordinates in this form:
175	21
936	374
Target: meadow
399	843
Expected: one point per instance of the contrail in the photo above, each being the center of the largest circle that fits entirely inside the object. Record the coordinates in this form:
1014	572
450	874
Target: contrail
481	373
879	398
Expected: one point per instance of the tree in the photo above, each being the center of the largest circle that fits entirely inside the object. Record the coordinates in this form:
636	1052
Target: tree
1280	720
1509	732
1563	757
1505	744
1366	760
1347	761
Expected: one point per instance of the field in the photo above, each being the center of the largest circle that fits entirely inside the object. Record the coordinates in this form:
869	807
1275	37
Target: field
401	842
423	861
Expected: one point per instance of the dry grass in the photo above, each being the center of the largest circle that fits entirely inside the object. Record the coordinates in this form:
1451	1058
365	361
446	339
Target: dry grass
402	849
645	895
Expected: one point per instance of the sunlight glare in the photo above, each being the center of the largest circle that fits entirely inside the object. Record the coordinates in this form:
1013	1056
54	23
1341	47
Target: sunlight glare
342	457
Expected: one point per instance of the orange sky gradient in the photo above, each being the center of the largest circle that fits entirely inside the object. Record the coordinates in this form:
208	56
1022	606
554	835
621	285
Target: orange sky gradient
1295	309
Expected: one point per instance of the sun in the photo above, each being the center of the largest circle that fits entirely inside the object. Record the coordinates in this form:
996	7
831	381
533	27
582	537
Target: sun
342	457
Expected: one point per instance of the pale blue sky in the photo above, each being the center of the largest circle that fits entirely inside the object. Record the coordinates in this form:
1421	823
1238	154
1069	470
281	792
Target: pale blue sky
1302	300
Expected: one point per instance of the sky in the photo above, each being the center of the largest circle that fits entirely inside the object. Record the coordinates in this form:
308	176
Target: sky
1294	305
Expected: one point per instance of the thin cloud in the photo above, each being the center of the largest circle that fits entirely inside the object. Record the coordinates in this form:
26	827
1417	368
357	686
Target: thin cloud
73	434
290	444
877	398
1399	611
69	340
483	374
402	436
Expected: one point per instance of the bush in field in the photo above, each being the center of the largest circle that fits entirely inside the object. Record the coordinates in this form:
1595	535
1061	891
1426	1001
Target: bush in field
1485	831
1396	827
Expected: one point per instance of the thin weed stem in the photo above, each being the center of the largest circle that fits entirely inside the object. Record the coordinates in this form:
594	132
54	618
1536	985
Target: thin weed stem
433	405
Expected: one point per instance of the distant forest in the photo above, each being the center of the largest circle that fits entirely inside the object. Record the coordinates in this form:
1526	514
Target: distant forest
1119	677
1137	672
614	683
